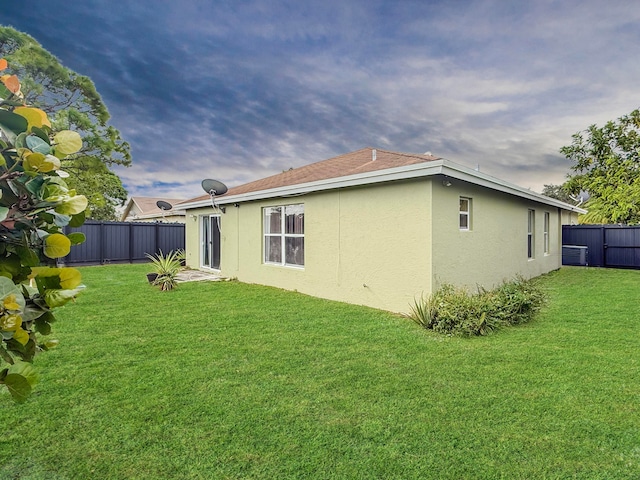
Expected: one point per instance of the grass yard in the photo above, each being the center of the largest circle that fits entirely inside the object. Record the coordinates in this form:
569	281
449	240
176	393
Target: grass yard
227	380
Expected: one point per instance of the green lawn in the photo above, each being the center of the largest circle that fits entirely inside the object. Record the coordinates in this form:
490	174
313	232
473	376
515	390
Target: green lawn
227	380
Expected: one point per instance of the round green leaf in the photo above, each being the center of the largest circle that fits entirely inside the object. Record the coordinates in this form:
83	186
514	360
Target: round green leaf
14	122
36	144
57	245
67	142
77	220
42	133
42	326
21	376
73	206
18	386
76	238
8	288
21	336
35	116
57	298
70	278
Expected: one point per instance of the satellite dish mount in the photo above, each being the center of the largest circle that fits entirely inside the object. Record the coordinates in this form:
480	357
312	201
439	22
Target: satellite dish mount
214	188
164	206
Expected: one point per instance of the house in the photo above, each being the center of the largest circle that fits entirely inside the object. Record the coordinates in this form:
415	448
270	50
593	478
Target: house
377	228
145	209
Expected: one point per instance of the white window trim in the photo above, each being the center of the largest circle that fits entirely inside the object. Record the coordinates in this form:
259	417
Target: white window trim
531	234
283	235
466	213
546	236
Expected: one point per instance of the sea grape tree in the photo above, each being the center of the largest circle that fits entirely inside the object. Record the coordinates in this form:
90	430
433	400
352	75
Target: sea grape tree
35	206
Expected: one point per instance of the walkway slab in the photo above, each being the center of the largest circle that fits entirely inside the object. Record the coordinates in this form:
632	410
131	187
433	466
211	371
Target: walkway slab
198	276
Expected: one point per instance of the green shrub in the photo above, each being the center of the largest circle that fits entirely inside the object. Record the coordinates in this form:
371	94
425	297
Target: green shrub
167	268
454	311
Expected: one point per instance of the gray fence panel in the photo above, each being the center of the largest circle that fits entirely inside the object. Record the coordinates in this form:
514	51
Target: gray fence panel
144	241
586	235
115	243
172	237
622	246
90	251
123	242
609	245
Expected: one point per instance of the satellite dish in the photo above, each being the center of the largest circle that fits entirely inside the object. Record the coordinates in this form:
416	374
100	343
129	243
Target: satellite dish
162	205
214	187
584	195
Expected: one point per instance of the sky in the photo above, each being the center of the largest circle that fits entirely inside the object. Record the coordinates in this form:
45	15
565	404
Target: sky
240	90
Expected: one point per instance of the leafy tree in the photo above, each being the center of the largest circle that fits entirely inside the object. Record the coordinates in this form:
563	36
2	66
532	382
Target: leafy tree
72	102
607	166
35	205
558	192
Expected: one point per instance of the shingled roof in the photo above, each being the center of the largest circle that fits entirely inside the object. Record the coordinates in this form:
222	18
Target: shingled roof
147	206
360	161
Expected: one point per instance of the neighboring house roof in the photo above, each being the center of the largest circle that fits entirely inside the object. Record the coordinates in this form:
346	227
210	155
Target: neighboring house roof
363	167
146	207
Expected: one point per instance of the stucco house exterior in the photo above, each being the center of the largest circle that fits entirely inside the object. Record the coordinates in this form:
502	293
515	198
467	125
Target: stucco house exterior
145	209
377	228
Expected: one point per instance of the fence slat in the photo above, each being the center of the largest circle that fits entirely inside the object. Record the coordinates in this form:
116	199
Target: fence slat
123	242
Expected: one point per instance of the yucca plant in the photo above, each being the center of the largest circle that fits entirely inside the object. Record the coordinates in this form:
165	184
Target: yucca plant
166	268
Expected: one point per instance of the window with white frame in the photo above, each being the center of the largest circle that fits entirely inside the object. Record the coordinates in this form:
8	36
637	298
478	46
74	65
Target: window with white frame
465	213
531	239
546	233
283	230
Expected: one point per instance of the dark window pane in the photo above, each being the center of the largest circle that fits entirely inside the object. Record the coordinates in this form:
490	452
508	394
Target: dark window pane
294	219
294	250
273	220
273	249
464	221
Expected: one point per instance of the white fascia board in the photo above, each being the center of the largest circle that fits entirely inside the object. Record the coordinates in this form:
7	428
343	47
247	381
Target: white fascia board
427	169
168	213
466	174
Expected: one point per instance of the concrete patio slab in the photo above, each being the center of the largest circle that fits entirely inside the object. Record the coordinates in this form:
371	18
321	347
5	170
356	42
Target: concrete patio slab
198	276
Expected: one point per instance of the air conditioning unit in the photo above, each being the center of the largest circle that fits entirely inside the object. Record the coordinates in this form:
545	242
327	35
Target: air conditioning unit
575	255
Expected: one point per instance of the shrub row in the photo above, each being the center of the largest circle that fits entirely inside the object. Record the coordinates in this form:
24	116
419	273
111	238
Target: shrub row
455	311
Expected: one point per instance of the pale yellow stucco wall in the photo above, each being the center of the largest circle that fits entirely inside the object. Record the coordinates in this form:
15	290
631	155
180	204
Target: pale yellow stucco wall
368	246
495	248
385	245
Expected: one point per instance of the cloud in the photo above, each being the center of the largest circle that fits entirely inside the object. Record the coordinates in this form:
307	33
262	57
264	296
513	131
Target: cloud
242	90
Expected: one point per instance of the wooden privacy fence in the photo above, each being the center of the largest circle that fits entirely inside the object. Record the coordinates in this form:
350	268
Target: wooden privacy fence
615	246
123	242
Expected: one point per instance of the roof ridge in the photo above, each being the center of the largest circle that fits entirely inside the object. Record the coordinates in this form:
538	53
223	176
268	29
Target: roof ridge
412	155
345	164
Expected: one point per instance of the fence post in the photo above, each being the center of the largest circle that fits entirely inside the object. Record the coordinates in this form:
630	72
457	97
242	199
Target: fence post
155	250
603	245
130	243
101	243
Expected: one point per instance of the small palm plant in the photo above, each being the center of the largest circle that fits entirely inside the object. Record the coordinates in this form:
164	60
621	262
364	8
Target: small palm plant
166	268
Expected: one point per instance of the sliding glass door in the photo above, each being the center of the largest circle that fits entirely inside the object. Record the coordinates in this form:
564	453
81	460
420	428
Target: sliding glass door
210	241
